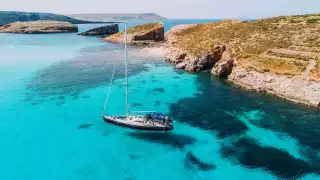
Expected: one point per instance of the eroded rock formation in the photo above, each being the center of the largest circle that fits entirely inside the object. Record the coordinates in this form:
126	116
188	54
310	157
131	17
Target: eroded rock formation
186	60
223	68
102	31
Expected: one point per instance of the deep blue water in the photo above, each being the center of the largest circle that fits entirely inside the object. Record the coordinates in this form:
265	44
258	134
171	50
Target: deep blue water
52	93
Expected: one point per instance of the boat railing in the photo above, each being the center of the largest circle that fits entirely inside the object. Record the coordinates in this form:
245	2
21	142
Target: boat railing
140	112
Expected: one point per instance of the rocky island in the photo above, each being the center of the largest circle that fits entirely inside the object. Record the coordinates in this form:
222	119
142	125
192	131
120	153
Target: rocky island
102	31
39	27
141	34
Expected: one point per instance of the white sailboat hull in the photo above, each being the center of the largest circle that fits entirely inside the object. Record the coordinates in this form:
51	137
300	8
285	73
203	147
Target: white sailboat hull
138	123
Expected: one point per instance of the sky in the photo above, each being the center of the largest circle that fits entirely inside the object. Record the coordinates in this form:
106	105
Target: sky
197	9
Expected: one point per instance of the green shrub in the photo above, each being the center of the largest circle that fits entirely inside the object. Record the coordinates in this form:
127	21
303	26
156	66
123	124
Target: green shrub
313	20
295	21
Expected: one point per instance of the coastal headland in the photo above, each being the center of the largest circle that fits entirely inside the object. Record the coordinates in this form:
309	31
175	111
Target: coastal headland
279	55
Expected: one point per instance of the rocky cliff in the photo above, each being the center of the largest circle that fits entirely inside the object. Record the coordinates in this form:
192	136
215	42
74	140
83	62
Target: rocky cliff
278	55
102	31
178	54
39	27
141	34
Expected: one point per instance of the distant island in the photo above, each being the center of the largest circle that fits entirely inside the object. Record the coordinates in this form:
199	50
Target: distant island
7	17
39	27
116	17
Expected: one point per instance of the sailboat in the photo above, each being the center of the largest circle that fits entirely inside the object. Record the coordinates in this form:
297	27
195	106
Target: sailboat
150	121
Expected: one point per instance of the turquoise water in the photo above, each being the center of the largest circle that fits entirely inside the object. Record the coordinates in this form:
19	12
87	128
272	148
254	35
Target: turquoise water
52	93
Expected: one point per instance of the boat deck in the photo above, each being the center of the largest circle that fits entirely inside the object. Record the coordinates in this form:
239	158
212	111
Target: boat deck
138	122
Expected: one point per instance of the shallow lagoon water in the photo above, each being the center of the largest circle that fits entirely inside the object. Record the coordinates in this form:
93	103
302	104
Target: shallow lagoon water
52	95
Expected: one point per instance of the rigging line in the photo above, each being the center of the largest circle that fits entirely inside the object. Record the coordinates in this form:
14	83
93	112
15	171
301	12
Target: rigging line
126	64
110	84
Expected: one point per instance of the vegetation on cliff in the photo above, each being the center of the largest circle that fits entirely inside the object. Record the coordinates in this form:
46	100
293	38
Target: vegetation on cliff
315	73
282	45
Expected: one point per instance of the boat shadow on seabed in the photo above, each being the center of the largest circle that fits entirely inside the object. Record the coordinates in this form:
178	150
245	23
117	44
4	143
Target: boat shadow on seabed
170	139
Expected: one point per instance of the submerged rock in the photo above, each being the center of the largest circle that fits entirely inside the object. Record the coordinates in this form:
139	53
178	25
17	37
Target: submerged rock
102	31
161	90
85	126
248	153
192	160
181	65
39	27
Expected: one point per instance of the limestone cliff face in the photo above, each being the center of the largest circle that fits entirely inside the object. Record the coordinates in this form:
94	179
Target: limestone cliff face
39	27
141	34
296	88
186	60
278	55
102	31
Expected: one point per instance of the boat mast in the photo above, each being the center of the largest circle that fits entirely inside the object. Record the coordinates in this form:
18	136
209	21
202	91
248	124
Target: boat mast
126	64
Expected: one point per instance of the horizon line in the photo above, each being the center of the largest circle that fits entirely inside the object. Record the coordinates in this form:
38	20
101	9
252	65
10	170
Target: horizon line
170	18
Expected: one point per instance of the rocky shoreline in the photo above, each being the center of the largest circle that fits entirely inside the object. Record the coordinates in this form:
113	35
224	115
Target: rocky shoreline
287	70
251	54
296	89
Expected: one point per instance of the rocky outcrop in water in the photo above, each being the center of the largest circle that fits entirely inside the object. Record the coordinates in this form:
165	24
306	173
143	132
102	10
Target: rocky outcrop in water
192	160
193	63
39	27
223	68
140	35
102	31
